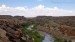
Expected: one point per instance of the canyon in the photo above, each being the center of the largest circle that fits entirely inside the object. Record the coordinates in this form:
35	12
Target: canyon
11	27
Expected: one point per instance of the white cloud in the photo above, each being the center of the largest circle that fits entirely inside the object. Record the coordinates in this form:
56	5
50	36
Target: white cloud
3	6
35	11
20	8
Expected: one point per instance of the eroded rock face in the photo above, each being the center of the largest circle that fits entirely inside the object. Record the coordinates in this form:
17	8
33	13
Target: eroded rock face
11	31
3	37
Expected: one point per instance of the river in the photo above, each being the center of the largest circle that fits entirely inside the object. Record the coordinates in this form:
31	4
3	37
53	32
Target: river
47	37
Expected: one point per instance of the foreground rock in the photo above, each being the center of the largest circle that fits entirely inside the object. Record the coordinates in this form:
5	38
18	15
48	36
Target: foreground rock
11	30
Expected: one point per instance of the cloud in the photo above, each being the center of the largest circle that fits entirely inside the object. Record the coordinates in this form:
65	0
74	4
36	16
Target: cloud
39	10
3	6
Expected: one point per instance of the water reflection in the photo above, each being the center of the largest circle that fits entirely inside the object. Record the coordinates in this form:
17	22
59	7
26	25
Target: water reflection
48	38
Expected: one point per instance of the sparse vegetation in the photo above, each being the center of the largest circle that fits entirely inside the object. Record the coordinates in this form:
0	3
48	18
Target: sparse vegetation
58	40
33	34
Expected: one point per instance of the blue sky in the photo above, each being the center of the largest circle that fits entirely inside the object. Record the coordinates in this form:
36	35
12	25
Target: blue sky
32	8
65	4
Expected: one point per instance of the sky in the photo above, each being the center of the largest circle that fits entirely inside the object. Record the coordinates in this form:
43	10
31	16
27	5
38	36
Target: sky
32	8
